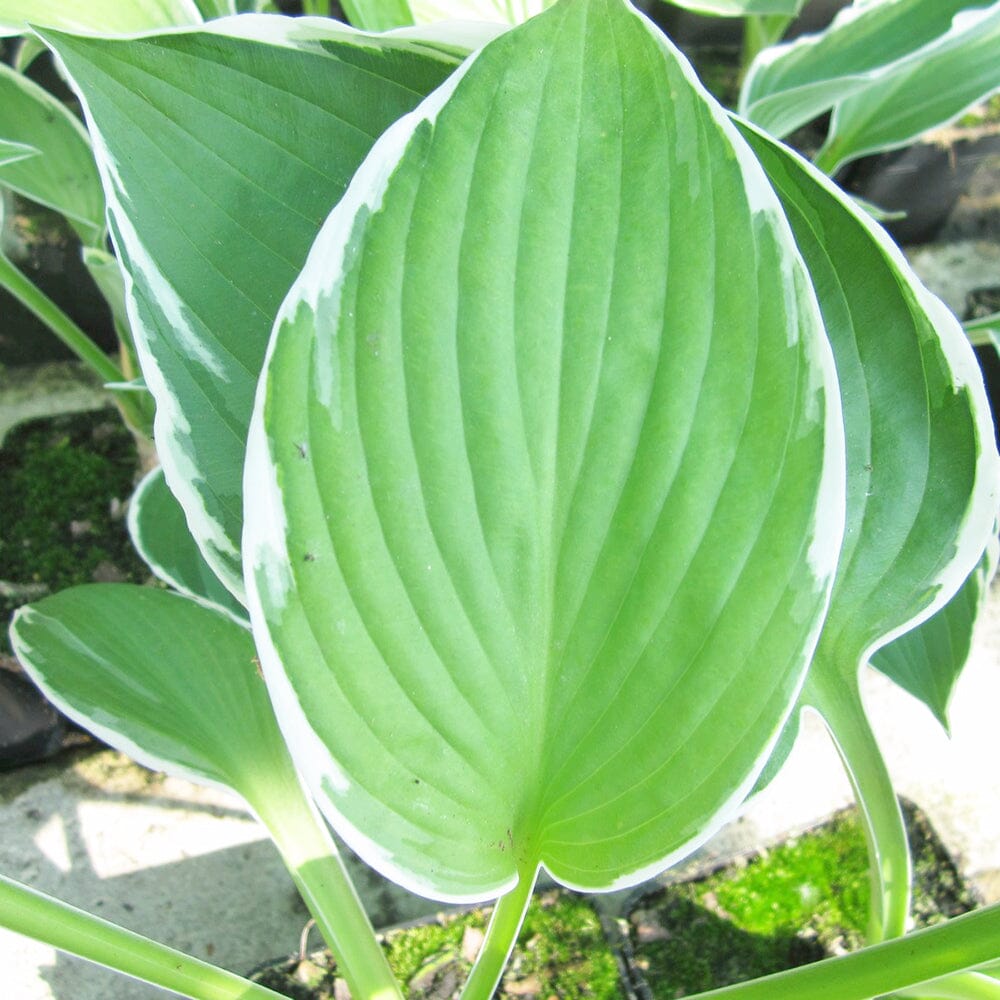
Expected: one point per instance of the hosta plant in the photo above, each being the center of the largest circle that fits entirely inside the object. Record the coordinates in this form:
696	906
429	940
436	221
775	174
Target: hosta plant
537	440
46	158
885	70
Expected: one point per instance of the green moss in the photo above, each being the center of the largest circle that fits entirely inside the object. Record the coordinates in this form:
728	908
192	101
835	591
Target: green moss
65	481
563	944
796	903
684	947
410	949
819	883
561	952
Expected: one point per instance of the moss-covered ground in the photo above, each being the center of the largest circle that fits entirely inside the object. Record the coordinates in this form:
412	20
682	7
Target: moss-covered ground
562	952
65	482
796	903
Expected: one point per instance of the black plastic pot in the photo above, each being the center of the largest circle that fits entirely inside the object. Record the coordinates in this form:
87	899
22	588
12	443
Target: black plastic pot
929	181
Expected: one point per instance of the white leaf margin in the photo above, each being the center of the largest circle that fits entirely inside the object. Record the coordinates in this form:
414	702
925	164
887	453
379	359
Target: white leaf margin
265	553
964	22
978	524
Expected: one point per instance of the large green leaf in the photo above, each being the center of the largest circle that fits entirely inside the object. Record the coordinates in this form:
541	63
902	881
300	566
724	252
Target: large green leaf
545	436
172	682
928	660
922	465
220	157
860	53
105	16
63	175
923	475
160	534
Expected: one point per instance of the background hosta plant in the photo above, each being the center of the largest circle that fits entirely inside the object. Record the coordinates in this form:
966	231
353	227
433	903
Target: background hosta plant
888	70
49	161
595	435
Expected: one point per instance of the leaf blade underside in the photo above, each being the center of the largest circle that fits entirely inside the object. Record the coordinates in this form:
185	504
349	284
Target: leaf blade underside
548	510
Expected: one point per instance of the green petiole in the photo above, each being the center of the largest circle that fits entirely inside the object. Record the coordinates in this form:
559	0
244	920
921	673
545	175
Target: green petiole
62	926
902	964
888	848
318	871
35	300
501	936
961	986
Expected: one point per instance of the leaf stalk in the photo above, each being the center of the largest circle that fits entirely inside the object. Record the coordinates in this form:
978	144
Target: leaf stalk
51	921
318	870
902	964
501	936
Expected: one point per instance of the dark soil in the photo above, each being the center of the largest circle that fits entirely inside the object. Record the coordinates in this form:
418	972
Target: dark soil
65	482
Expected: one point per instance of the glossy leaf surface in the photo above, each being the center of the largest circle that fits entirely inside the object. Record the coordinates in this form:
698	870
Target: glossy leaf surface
103	16
62	176
928	660
923	479
538	463
206	143
169	681
160	534
859	54
922	465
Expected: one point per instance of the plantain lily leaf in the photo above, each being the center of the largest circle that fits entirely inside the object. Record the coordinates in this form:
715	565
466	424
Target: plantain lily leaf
923	478
923	471
928	660
103	268
210	9
547	431
160	534
934	87
62	176
103	16
378	15
129	663
788	85
208	141
890	71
